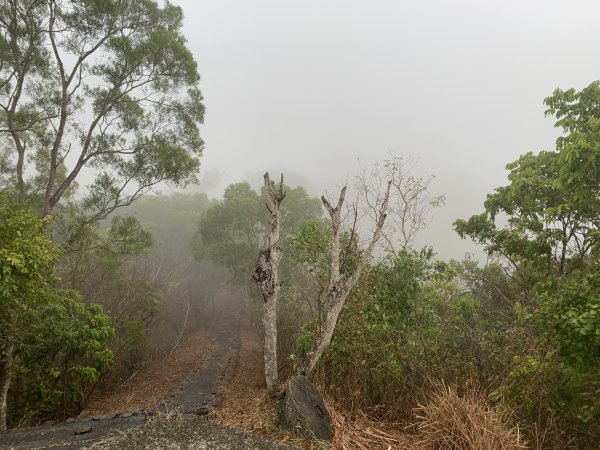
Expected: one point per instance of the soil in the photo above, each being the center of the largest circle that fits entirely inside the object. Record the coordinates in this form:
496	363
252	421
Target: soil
187	380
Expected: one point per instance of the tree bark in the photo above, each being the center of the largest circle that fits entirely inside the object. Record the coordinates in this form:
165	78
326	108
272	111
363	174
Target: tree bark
270	350
267	278
323	339
5	375
339	288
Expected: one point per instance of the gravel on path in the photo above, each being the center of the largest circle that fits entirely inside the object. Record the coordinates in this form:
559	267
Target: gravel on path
186	433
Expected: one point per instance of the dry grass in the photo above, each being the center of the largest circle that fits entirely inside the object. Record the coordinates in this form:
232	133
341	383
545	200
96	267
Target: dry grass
363	433
450	421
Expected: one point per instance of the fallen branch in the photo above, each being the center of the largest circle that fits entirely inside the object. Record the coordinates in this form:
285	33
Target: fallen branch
182	328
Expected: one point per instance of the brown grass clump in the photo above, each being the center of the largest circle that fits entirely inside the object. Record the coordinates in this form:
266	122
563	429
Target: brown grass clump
363	433
450	421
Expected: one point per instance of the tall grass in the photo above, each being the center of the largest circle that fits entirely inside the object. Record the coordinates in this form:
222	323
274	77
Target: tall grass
450	421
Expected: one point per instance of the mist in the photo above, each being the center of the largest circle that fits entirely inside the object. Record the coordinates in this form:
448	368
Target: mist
317	88
122	293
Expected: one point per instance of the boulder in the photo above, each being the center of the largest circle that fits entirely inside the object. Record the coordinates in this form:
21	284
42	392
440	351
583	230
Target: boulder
300	408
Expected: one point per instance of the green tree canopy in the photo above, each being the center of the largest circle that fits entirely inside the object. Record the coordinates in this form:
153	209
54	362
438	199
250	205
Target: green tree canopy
233	230
546	222
105	85
552	203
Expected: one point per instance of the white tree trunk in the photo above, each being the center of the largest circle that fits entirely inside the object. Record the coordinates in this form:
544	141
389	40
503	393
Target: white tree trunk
270	351
323	339
267	278
338	288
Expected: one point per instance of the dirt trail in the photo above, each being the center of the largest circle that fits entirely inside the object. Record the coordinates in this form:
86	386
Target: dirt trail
186	382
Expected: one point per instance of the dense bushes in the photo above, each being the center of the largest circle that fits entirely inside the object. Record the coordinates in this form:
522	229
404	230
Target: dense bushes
60	356
411	322
52	346
415	322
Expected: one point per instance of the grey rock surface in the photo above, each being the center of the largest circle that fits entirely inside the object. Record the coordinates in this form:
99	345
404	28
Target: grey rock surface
82	428
301	409
185	432
74	435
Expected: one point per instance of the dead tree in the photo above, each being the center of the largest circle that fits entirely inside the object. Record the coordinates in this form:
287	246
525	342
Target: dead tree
410	203
340	286
266	277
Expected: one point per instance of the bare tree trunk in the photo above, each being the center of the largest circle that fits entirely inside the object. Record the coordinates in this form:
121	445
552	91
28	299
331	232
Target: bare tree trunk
323	339
270	350
339	288
267	278
5	375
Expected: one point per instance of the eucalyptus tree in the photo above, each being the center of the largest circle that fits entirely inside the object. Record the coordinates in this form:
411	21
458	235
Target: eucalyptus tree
104	87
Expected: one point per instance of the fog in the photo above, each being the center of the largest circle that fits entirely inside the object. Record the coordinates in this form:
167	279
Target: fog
313	87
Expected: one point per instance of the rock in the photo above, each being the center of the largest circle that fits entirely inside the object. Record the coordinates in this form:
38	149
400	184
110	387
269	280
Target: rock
82	428
70	420
202	411
126	415
108	416
49	423
301	409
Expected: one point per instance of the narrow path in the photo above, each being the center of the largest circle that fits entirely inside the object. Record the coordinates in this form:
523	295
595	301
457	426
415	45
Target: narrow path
186	382
200	390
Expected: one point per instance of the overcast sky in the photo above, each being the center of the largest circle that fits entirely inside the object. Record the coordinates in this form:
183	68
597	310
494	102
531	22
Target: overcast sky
314	86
